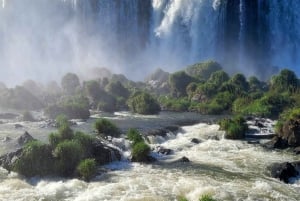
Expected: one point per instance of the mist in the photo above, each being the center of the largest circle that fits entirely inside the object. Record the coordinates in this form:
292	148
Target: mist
44	39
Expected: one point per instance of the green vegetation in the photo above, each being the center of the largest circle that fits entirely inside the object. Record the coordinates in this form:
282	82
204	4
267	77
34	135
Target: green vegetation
235	127
68	154
140	152
105	127
36	160
207	197
70	83
87	169
134	136
139	149
27	116
203	70
143	103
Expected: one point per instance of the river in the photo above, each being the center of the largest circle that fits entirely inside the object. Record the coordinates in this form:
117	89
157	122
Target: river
226	169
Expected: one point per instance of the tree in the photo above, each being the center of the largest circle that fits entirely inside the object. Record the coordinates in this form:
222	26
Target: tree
143	103
218	78
117	89
178	82
203	70
285	81
70	82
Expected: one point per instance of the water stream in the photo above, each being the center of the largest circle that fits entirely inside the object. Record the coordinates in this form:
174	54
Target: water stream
226	169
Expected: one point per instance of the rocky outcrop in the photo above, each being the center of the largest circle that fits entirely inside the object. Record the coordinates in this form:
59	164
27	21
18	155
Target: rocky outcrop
23	139
7	160
288	136
284	171
290	132
104	154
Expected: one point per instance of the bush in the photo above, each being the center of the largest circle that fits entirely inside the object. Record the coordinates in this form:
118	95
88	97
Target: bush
68	154
87	169
36	160
143	103
140	152
106	128
134	136
235	128
207	198
86	142
27	116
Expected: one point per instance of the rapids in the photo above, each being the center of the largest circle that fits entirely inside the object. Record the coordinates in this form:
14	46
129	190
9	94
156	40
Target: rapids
226	169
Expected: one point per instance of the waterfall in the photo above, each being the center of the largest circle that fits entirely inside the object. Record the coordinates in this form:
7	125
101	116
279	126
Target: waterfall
137	36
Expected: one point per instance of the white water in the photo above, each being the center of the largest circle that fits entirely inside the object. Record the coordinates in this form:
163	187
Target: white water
228	170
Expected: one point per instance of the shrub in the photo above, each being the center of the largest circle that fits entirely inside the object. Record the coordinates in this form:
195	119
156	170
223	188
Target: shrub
207	197
36	160
68	154
87	169
140	152
86	142
143	103
106	127
27	116
235	127
134	136
182	198
61	120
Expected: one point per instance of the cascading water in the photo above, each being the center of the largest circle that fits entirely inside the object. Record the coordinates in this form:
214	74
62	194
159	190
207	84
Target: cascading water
137	36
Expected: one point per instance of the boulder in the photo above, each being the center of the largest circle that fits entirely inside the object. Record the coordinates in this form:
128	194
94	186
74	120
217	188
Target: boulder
195	140
183	160
290	133
23	139
7	160
103	153
164	151
284	171
276	143
18	126
297	150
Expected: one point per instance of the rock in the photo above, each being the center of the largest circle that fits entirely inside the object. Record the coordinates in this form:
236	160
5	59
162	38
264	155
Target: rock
6	139
164	151
284	171
23	139
297	150
172	128
290	132
276	143
103	153
213	137
183	160
18	126
195	140
157	132
7	160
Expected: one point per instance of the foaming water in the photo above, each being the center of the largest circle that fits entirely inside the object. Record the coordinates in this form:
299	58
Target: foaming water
226	169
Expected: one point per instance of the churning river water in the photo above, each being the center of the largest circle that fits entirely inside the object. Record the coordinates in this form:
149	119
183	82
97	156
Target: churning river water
226	169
